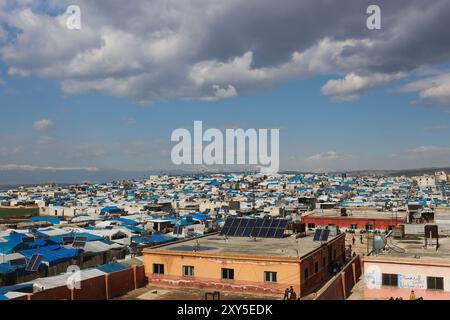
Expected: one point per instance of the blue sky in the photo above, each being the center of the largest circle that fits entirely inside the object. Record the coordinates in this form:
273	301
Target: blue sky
385	117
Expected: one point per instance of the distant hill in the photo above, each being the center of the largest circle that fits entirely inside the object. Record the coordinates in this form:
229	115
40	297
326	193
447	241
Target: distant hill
14	177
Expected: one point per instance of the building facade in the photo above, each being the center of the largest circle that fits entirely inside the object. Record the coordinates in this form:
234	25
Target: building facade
227	270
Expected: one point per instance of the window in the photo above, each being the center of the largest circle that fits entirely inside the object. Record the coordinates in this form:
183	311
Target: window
390	228
306	273
158	268
369	227
389	279
270	276
311	225
324	261
353	226
188	271
435	283
227	274
316	267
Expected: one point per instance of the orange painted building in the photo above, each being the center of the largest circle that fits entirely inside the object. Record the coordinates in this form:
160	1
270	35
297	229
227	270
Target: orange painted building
243	264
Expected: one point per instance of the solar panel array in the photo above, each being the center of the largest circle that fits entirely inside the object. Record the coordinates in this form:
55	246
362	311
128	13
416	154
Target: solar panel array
321	235
259	228
34	263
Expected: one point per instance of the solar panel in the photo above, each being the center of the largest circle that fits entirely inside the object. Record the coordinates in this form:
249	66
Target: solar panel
258	223
239	232
247	232
251	223
27	240
263	228
235	222
267	223
225	230
79	242
271	233
283	223
263	233
325	234
317	235
67	240
18	262
34	263
279	233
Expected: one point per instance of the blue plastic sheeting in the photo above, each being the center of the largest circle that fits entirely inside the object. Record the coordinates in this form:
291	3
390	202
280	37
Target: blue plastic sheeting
172	220
59	239
111	209
184	222
5	268
52	220
111	267
24	287
198	216
156	238
53	254
126	221
133	228
343	188
3	298
14	243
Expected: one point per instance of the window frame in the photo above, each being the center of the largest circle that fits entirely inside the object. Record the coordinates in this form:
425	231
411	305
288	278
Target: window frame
188	274
435	283
157	268
387	279
273	276
227	272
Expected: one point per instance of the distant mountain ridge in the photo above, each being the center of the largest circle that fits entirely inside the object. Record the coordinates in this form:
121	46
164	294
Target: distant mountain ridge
39	176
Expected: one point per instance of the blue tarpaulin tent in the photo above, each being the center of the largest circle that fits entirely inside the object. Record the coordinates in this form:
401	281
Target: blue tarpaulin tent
111	209
14	243
198	216
5	268
53	254
60	239
126	221
156	238
52	220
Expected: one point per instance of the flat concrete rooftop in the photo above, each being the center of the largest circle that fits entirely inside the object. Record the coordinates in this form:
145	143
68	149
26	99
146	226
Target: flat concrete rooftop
355	213
413	246
216	244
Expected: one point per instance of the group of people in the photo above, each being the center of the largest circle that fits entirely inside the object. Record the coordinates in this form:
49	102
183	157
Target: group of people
412	296
290	294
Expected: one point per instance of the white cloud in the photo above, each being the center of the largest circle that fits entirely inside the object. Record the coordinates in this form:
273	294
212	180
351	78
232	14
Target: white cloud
431	90
436	128
428	150
43	125
350	88
329	156
49	168
154	51
221	93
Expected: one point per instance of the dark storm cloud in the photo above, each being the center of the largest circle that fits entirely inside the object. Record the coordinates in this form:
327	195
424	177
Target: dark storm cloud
155	50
